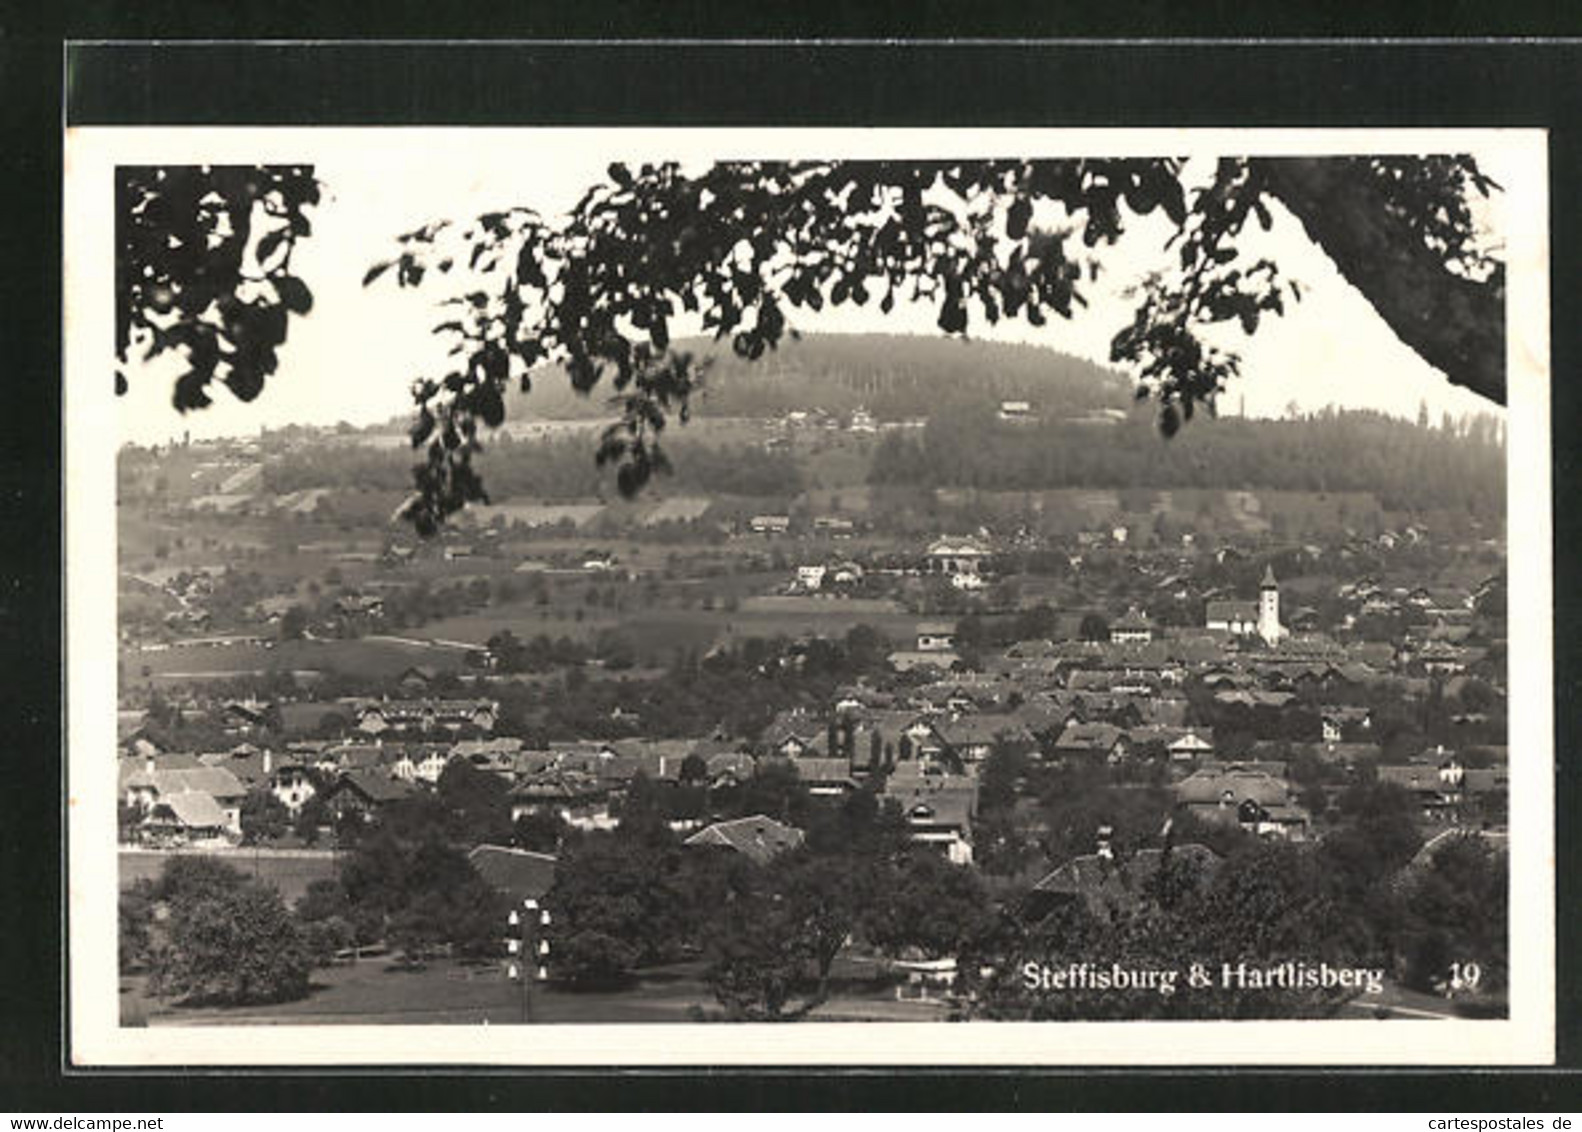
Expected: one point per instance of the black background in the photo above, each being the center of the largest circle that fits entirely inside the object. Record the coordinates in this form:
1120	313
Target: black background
1086	82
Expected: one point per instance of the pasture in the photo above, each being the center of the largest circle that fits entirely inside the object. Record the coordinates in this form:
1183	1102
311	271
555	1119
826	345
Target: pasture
289	873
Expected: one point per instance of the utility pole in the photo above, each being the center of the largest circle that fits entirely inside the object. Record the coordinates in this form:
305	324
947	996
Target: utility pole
527	949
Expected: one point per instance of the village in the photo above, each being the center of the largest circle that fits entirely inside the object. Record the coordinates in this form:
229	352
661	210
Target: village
1047	713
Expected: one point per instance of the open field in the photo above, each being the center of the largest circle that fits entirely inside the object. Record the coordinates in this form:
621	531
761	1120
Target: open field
374	657
372	991
290	873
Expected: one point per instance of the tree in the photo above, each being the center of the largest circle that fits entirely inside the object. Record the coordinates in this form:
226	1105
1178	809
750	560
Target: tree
1094	627
476	805
134	913
694	768
203	266
617	906
926	905
539	831
1455	910
237	947
293	623
744	241
264	817
186	879
314	815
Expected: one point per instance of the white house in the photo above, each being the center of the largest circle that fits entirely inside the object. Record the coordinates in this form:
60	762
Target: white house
956	556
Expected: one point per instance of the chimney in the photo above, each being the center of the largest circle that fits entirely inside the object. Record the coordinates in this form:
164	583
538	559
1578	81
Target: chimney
148	764
268	761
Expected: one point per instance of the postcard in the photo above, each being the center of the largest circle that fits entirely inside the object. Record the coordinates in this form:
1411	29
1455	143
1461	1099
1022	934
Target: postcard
590	596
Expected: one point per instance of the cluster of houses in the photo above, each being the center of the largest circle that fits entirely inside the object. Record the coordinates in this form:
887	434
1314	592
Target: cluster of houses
919	736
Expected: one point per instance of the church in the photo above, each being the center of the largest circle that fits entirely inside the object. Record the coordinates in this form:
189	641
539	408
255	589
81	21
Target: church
1259	618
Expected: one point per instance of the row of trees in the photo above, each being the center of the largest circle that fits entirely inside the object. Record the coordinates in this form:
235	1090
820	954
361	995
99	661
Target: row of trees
1408	467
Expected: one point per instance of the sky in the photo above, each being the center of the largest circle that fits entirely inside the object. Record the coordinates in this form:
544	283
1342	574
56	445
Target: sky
353	358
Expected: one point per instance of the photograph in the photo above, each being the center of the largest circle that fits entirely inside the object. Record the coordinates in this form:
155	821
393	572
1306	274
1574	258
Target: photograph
595	595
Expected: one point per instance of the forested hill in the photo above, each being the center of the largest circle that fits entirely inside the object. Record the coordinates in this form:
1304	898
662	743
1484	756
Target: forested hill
893	376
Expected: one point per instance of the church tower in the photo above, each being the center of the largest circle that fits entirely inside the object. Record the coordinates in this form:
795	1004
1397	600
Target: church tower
1269	608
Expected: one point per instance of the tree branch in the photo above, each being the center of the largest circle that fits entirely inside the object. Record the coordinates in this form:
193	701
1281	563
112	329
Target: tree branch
1454	323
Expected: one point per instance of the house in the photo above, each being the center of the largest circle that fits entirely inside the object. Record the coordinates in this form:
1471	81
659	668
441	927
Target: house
1131	628
1017	412
936	636
360	605
1445	790
1238	618
364	793
810	577
758	838
956	556
834	525
1248	797
1335	722
863	421
418	678
187	816
1194	746
292	784
769	524
825	777
795	734
974	737
158	780
1093	741
243	717
577	797
938	811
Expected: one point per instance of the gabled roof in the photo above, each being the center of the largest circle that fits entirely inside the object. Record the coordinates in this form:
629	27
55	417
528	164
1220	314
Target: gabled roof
1089	736
193	809
1133	618
982	728
1211	785
758	838
374	786
1230	610
823	771
514	873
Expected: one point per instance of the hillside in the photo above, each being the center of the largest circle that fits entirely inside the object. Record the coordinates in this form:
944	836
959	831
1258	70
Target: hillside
893	376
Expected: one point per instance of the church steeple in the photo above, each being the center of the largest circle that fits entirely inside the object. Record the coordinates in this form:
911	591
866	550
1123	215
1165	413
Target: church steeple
1269	627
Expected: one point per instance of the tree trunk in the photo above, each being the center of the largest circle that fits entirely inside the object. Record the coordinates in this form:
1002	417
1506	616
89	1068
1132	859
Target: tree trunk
1454	323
